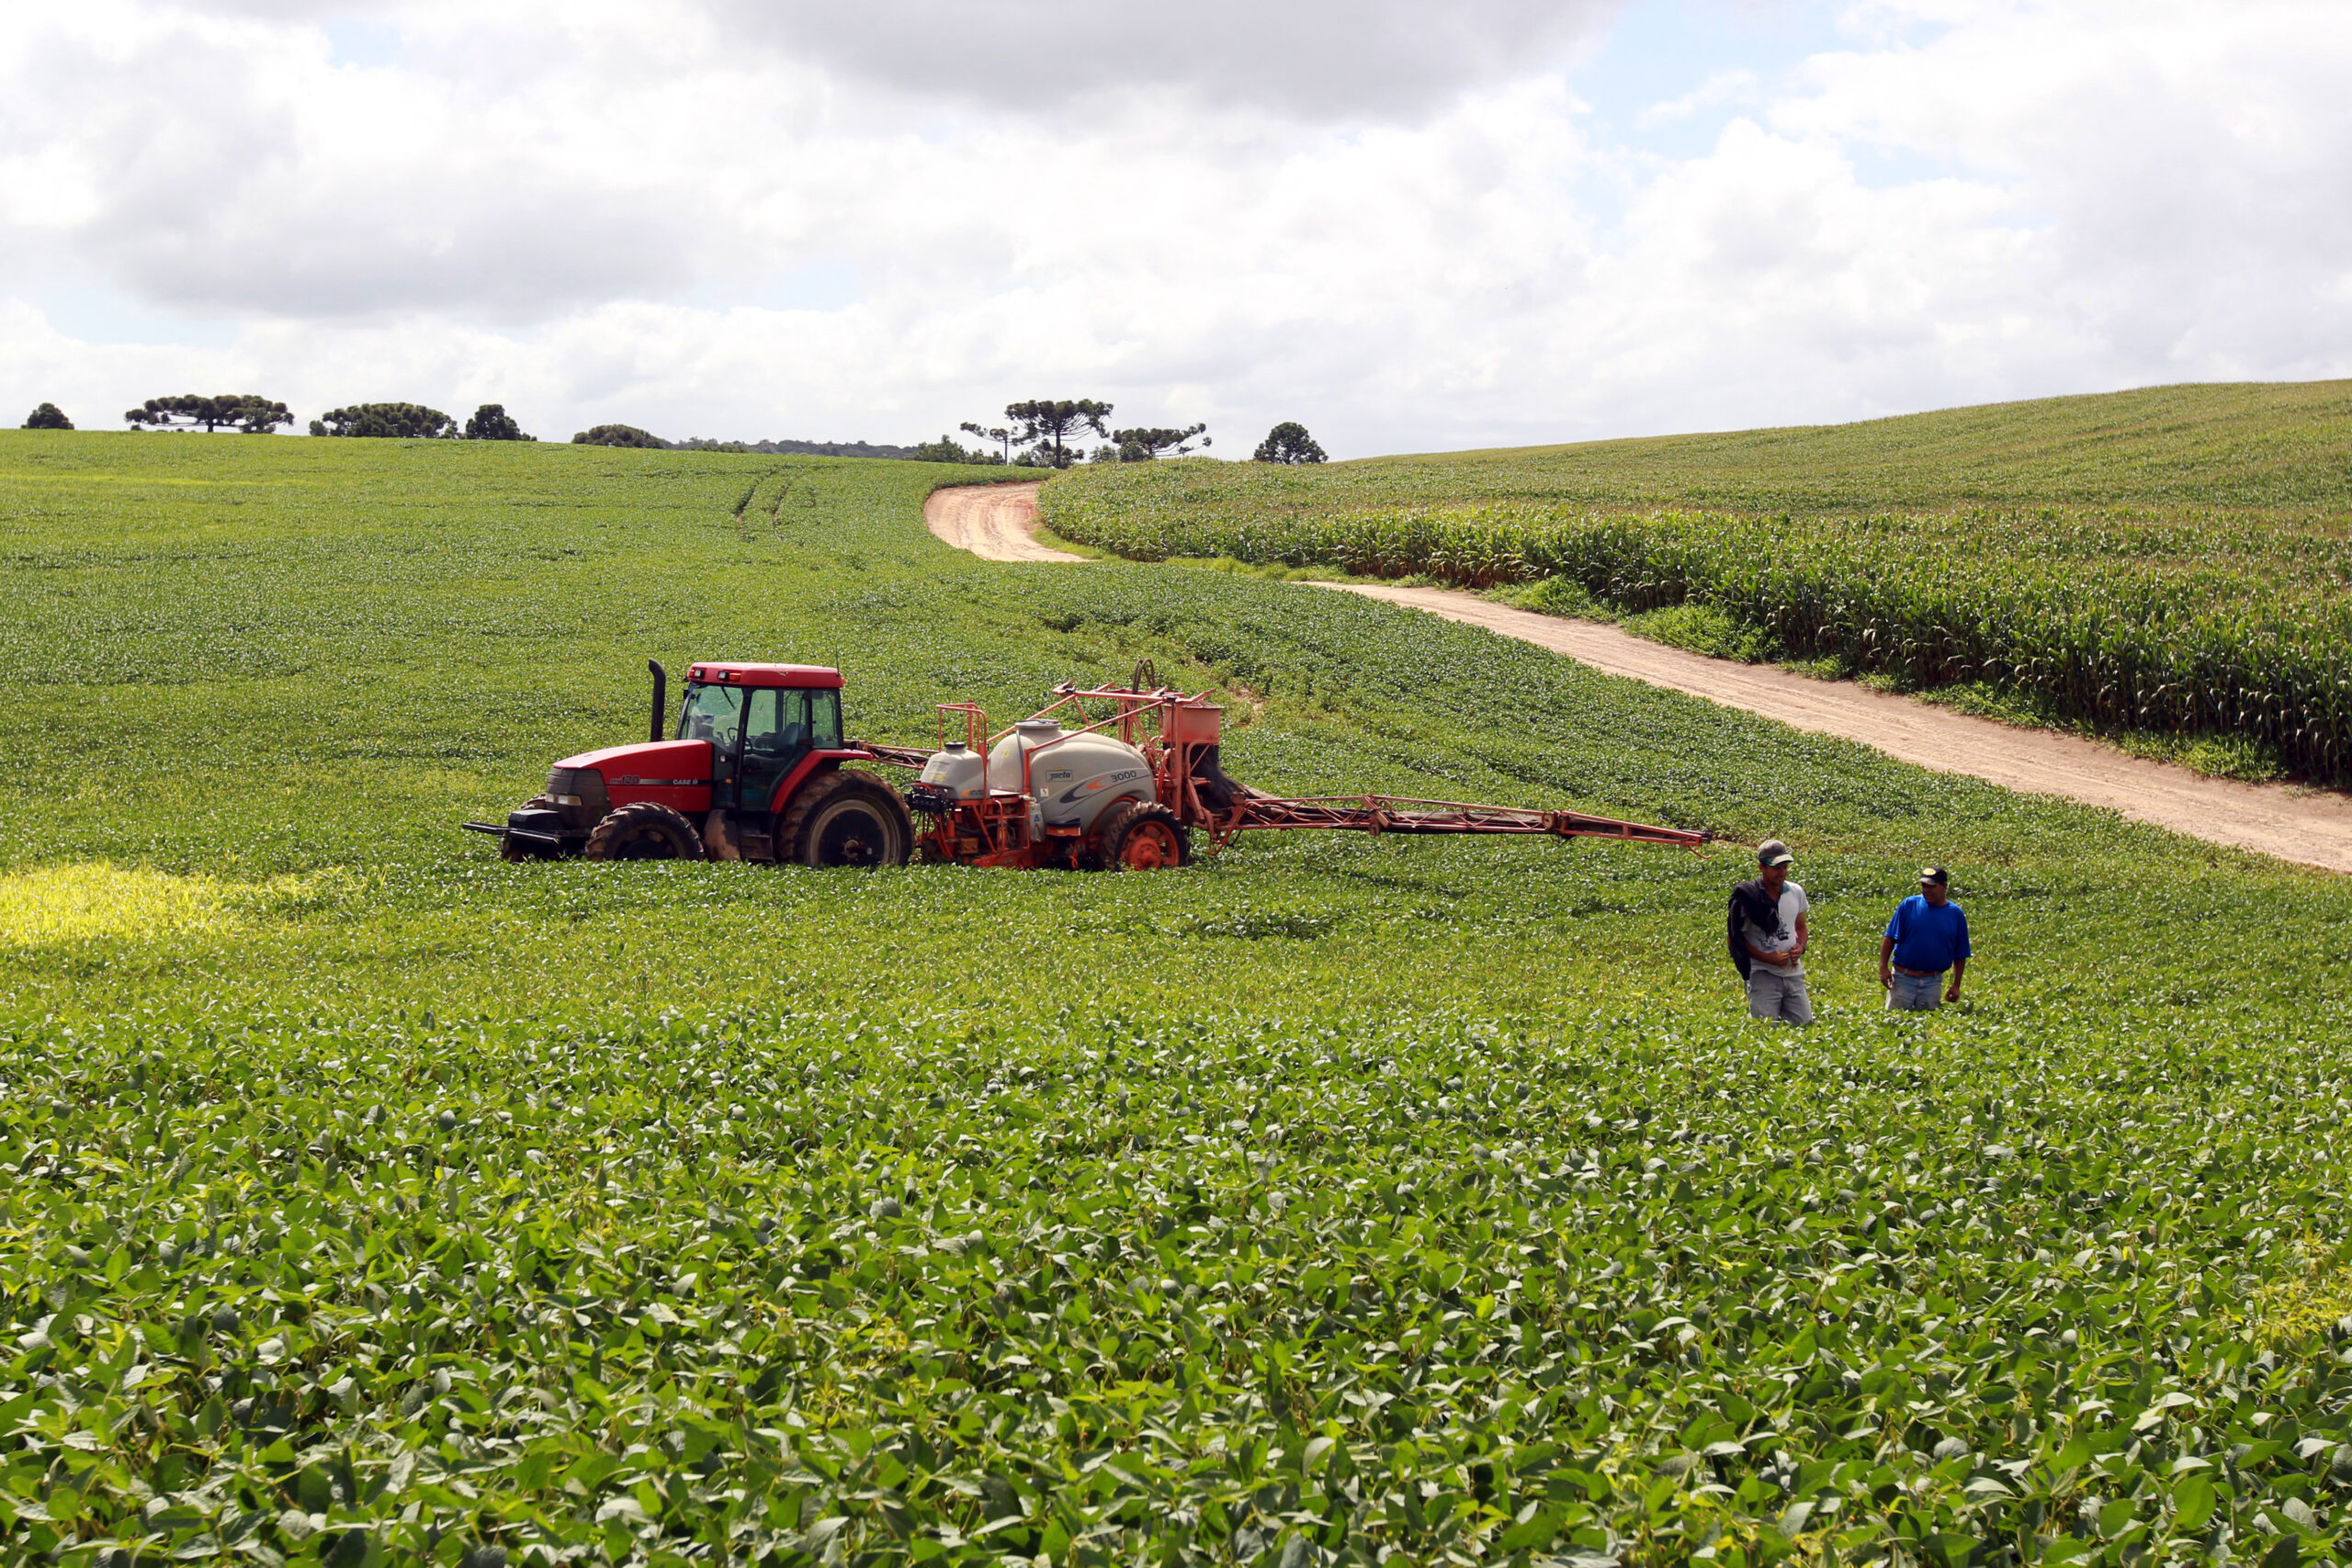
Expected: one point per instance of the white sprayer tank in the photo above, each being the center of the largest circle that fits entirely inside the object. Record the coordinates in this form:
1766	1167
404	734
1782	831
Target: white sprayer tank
955	771
1073	777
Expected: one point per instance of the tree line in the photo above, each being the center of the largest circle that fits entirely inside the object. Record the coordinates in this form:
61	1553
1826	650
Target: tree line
1041	433
255	415
414	422
1047	433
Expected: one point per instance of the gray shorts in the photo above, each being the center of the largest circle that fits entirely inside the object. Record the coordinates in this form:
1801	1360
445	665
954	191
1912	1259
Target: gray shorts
1915	993
1773	994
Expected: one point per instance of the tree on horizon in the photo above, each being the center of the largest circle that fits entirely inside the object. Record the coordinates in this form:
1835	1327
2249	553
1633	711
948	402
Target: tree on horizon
1045	425
996	433
49	416
387	422
1143	445
616	435
948	449
1288	443
492	422
249	411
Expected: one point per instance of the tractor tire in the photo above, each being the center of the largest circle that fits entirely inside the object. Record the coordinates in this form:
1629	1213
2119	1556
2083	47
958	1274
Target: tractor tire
845	817
644	830
1137	837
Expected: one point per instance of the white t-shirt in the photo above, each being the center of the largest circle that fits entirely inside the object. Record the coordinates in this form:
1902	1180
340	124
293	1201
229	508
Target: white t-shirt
1793	904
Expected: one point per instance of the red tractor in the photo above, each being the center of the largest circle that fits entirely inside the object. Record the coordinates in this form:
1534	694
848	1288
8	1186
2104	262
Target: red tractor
1116	777
752	772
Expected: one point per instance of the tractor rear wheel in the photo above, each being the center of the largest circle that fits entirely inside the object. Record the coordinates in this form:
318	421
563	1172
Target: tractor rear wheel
645	829
1137	837
845	817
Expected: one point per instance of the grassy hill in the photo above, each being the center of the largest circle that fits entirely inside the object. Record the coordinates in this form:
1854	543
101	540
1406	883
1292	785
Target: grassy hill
2168	567
372	1198
2272	446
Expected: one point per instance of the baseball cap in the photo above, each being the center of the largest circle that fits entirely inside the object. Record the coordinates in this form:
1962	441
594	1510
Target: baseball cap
1771	852
1934	874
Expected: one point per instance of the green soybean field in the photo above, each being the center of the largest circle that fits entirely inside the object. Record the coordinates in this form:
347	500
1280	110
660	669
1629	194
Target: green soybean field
1335	1199
2168	563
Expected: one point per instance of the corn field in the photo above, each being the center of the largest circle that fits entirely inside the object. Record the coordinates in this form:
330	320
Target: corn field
2225	627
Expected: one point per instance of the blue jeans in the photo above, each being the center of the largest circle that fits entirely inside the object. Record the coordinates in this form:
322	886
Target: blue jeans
1915	993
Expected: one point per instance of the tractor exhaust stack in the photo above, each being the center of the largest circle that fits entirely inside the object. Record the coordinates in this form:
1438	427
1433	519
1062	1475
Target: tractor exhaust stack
660	696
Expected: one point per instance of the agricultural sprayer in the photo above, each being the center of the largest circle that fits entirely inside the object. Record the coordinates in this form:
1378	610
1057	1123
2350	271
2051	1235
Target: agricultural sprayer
1107	778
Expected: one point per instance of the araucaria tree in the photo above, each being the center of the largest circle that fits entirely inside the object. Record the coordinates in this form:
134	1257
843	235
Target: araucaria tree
1143	445
492	422
995	432
386	421
1046	426
246	412
1288	443
49	416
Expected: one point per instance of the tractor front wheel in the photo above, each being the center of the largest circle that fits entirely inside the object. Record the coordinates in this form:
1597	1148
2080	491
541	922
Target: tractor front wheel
1137	837
645	829
846	818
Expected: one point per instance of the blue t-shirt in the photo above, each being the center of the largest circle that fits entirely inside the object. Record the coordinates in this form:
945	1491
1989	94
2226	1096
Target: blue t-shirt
1926	938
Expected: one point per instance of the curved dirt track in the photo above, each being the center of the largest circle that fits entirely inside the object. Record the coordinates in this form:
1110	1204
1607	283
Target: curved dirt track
993	522
2308	829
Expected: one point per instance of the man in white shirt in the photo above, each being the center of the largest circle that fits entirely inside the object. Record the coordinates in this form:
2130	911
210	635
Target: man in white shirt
1776	968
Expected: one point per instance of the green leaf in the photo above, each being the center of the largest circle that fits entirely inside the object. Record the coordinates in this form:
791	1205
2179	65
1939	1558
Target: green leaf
2193	1499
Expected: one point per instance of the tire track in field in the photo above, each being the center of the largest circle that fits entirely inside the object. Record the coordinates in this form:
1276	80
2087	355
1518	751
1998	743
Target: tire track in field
2309	828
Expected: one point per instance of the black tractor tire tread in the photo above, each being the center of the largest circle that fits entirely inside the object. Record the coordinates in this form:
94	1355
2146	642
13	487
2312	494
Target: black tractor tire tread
625	823
1110	832
1121	819
822	791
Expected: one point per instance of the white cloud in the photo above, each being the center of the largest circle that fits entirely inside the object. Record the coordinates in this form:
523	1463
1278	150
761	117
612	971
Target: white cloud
1719	88
1316	59
1397	225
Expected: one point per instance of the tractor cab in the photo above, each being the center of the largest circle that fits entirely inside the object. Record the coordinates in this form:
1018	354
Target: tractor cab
761	722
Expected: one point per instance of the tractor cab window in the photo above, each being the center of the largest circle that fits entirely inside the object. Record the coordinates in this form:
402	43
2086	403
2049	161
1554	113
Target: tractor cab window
778	729
826	717
712	713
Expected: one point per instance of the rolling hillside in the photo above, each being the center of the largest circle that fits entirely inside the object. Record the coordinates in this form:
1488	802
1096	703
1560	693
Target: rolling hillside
2280	447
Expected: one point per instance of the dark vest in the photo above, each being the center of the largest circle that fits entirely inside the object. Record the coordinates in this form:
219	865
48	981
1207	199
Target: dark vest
1750	904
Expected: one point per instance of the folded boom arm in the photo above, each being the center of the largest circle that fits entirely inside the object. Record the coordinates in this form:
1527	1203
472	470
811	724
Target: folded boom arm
1395	813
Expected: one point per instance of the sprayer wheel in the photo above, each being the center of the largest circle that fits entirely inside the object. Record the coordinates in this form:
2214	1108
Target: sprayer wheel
1137	837
644	829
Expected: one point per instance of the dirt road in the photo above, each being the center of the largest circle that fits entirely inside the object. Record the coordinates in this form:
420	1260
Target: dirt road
2308	829
993	522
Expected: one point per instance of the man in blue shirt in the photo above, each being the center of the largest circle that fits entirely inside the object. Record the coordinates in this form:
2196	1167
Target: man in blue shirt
1928	935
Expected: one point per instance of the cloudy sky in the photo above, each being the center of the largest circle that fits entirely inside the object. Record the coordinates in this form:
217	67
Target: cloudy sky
1411	226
